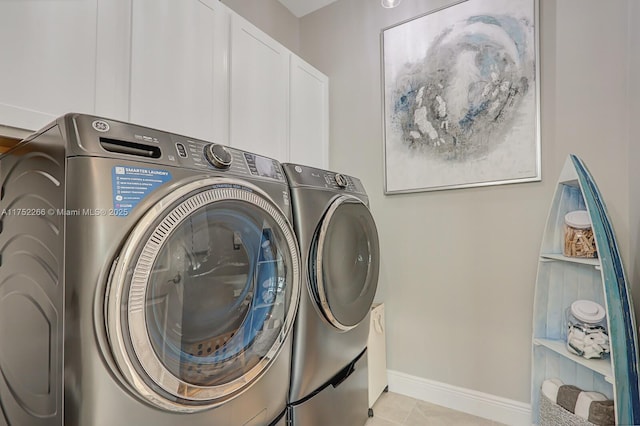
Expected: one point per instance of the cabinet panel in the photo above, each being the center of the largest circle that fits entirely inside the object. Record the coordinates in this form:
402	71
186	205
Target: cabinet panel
309	122
113	59
259	91
178	76
48	53
376	350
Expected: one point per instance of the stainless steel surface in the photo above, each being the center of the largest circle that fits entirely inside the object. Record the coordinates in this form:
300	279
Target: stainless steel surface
281	422
57	363
31	275
321	349
343	405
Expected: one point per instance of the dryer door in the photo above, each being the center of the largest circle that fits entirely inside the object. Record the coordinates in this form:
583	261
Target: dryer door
344	262
203	294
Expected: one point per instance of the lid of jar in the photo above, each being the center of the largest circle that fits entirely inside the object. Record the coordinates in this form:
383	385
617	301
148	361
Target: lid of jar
587	311
578	219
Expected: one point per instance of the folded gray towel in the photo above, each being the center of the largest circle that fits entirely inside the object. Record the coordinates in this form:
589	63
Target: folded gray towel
568	396
602	413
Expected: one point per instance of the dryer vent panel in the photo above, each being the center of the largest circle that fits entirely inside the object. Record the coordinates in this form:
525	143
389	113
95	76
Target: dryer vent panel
31	291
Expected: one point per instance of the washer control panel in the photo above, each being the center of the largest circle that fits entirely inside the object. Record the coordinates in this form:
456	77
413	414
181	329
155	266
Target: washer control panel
212	156
263	166
129	141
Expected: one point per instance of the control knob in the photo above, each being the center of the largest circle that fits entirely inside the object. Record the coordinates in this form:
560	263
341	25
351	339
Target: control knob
341	180
218	156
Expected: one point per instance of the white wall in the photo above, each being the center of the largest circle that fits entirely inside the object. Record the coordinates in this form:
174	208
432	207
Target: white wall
459	266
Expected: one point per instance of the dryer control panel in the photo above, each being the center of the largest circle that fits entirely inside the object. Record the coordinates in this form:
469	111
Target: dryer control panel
300	175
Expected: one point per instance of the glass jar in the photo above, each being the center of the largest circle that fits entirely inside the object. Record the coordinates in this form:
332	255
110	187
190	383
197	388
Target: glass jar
586	328
578	235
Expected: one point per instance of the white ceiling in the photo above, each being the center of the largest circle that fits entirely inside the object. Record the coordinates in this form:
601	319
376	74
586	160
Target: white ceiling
303	7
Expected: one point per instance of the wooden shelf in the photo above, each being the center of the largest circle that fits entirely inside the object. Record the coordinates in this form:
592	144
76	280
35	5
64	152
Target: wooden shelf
7	143
571	182
600	366
581	260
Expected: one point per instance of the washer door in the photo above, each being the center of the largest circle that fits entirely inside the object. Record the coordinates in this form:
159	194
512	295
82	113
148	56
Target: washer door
345	259
203	294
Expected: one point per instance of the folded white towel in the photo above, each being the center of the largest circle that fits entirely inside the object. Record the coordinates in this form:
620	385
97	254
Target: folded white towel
584	402
550	388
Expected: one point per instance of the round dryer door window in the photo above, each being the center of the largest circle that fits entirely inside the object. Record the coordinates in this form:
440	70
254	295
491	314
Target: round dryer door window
203	294
345	262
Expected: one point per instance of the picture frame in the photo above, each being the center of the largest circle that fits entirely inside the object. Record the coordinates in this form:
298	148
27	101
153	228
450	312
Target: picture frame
461	97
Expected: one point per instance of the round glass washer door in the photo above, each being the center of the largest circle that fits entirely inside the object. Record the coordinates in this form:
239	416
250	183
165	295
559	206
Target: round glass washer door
203	294
345	262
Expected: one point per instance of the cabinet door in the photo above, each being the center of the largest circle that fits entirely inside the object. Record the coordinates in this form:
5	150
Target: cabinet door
178	75
48	53
113	66
309	117
259	91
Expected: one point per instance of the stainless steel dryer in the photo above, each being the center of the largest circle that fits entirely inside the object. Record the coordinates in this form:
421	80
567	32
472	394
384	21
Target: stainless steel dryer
340	257
146	278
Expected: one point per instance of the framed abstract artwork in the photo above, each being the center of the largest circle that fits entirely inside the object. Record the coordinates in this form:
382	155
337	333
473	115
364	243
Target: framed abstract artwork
461	97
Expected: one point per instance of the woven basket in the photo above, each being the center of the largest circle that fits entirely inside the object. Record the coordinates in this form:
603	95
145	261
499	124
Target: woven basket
551	414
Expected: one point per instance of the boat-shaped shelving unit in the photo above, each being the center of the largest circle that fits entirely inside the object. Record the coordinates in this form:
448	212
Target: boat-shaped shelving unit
561	280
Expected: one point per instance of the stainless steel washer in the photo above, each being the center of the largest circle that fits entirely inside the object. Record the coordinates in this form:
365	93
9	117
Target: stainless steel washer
145	278
340	257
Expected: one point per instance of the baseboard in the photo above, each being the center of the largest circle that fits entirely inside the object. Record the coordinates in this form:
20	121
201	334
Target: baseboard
496	408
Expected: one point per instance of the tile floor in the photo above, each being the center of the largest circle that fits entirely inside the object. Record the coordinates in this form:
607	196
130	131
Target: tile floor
392	409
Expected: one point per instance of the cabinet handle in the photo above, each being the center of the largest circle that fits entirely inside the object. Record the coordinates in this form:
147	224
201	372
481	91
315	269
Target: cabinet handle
377	324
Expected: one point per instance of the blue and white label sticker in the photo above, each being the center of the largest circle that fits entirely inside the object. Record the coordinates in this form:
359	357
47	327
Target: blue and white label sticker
132	184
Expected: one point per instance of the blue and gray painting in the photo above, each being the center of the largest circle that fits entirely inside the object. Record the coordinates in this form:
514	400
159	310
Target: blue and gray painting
460	101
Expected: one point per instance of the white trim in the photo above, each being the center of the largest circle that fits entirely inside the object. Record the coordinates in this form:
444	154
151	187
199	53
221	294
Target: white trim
23	118
469	401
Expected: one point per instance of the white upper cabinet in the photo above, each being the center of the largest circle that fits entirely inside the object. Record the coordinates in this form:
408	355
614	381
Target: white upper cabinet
309	115
192	67
178	67
113	59
48	51
259	84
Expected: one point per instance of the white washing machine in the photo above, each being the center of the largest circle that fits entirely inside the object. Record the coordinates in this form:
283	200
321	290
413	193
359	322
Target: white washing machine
340	262
146	278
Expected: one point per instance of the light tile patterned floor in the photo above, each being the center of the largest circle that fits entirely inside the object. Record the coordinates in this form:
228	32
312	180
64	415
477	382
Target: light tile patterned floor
392	409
